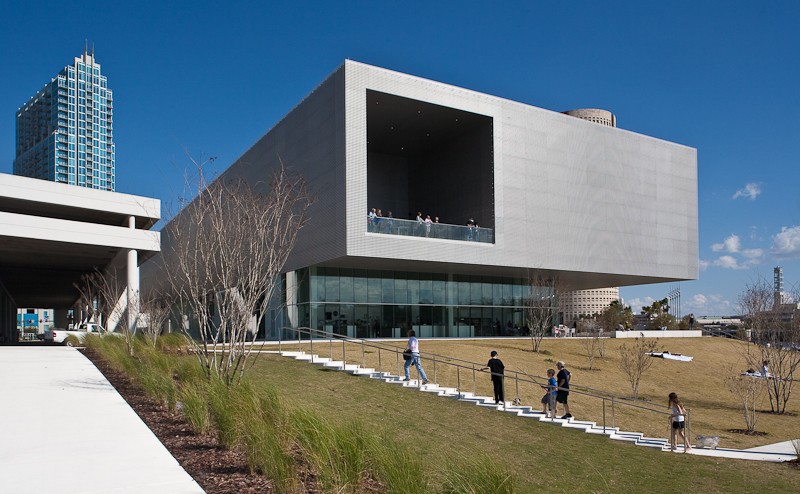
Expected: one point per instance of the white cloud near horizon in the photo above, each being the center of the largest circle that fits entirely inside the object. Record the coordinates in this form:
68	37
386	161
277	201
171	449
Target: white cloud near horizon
750	191
786	244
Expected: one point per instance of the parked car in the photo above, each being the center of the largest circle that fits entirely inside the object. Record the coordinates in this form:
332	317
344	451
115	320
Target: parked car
62	336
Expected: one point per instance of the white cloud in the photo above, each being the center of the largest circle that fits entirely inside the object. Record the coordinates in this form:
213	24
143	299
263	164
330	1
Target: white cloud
637	304
730	244
704	265
753	253
708	305
727	262
786	244
750	191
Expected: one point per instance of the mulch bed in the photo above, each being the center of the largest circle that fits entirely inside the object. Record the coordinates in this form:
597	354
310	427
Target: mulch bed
215	469
747	432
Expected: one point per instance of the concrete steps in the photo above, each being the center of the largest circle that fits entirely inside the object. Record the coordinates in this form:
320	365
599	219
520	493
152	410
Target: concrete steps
614	433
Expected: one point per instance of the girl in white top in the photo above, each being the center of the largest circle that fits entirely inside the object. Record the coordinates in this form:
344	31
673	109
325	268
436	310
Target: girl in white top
677	418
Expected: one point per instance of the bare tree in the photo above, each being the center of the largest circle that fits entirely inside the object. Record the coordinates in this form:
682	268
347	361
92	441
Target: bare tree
88	297
595	344
541	305
776	341
634	360
223	257
748	392
155	309
105	294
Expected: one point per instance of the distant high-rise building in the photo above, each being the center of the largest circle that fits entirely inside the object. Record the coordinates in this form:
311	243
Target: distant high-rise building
65	131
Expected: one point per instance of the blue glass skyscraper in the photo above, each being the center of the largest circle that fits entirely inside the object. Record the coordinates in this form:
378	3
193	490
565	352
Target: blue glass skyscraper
65	131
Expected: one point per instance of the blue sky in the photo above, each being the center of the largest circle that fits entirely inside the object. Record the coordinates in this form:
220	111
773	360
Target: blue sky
210	78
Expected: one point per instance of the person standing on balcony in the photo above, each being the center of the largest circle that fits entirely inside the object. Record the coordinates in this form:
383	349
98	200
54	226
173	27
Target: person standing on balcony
495	365
428	224
413	347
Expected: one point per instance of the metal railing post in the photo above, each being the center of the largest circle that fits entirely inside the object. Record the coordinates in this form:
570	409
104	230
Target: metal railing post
516	381
311	344
687	433
458	381
379	361
330	343
613	421
474	383
363	357
344	356
604	415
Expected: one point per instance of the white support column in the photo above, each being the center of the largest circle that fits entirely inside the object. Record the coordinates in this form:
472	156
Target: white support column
133	282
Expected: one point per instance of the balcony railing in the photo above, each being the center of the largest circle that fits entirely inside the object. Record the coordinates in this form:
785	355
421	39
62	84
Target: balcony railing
413	228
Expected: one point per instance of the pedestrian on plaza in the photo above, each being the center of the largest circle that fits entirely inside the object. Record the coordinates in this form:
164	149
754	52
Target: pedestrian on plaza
413	347
495	365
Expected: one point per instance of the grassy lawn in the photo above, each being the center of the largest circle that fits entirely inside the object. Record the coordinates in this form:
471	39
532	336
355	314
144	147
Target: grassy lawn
542	457
700	383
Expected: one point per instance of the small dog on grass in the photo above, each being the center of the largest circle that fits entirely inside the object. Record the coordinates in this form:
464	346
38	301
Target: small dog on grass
710	442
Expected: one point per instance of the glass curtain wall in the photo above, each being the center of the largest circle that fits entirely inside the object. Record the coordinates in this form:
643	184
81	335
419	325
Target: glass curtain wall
370	304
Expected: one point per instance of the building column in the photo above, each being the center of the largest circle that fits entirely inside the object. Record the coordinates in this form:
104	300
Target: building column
133	283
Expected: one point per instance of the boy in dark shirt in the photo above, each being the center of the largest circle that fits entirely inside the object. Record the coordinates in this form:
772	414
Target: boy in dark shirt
496	366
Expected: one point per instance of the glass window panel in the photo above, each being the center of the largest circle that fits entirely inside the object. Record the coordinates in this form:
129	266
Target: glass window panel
374	290
486	298
463	293
317	287
439	292
331	285
475	293
346	287
517	294
413	291
387	290
425	291
507	294
360	289
497	293
400	291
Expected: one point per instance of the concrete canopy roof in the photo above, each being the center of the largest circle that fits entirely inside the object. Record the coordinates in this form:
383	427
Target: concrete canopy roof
51	234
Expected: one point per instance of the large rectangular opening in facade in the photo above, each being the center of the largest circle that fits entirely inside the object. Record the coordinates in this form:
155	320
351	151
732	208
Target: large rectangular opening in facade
431	160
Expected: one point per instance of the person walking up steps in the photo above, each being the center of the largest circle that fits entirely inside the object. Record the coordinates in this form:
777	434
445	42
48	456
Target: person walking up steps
413	347
677	416
496	366
562	394
549	398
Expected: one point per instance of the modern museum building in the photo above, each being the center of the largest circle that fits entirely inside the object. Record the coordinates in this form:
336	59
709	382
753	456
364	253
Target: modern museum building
434	203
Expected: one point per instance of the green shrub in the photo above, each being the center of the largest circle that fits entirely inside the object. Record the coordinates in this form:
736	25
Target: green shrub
473	476
337	453
223	413
194	399
396	468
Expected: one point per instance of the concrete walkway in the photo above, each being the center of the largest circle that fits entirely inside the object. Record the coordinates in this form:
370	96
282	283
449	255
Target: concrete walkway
65	429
